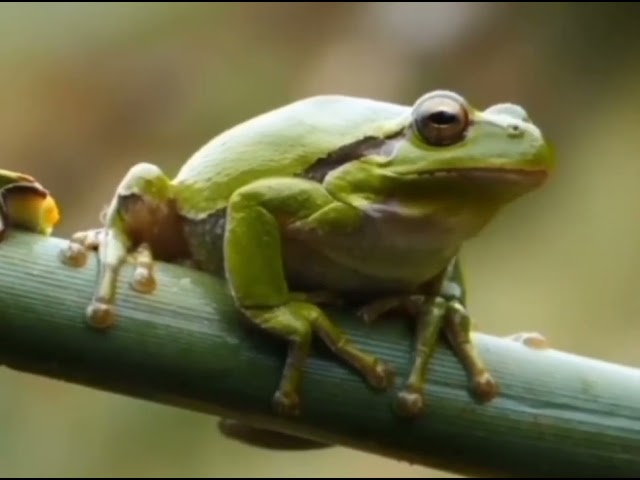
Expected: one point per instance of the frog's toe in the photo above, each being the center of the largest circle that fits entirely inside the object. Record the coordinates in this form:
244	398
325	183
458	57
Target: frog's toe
100	315
286	403
410	403
143	281
485	388
76	252
381	376
73	255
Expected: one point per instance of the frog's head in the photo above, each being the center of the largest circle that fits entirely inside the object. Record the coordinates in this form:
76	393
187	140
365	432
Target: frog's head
25	203
446	152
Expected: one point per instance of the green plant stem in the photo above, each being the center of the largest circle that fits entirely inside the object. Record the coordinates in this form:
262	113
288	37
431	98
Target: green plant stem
186	345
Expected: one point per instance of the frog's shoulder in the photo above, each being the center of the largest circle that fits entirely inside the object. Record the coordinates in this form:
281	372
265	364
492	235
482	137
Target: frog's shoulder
280	142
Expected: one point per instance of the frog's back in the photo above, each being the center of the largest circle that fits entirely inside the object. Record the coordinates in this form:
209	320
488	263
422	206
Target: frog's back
281	142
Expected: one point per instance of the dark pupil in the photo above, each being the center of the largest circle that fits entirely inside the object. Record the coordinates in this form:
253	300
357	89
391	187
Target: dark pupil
442	117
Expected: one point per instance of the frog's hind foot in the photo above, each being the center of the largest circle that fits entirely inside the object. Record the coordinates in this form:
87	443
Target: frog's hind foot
296	322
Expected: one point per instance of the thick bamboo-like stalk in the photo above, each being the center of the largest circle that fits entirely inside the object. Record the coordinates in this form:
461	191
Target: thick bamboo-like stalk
186	345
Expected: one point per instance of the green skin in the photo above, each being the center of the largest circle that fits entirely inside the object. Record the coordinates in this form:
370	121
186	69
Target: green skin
331	198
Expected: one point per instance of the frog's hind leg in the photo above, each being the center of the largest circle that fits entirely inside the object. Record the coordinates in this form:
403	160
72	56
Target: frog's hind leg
139	206
256	217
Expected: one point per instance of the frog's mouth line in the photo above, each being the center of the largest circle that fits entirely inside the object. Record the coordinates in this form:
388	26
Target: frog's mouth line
521	175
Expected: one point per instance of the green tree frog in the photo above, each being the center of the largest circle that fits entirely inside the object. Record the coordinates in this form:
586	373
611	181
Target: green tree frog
26	204
331	198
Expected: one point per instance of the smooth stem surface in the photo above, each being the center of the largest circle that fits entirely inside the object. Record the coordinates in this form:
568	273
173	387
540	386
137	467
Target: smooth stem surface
186	345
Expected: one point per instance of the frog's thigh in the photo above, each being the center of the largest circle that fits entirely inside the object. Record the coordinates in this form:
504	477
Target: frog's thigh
253	251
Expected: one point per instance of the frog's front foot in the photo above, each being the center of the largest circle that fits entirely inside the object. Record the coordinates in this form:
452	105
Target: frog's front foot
138	215
286	403
484	387
457	327
434	315
76	252
100	315
429	313
144	280
410	403
101	311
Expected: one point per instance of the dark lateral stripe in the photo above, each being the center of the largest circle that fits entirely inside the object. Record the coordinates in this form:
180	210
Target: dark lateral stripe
343	155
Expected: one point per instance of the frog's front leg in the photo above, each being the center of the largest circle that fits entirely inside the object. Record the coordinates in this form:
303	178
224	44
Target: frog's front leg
257	217
440	310
81	243
140	206
429	313
458	330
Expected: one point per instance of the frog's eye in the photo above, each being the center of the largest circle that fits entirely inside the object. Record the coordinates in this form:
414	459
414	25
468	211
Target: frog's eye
441	119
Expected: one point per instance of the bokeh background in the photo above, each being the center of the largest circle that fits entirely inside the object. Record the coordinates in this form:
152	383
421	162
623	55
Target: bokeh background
87	90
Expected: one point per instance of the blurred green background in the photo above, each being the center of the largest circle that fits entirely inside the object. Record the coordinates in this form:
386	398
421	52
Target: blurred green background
87	90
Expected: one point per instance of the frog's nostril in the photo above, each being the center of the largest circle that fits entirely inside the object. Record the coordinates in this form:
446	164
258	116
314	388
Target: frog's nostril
515	130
